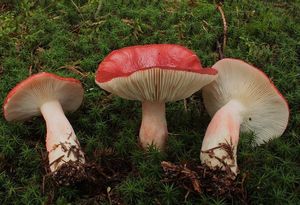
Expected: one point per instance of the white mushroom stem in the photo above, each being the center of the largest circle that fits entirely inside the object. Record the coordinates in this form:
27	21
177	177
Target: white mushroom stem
154	125
221	139
61	141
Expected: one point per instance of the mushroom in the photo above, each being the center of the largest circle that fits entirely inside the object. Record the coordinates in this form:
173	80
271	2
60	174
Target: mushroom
153	74
49	95
244	99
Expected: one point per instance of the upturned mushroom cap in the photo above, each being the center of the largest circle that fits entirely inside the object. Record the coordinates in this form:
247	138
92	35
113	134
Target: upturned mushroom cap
266	111
155	72
24	101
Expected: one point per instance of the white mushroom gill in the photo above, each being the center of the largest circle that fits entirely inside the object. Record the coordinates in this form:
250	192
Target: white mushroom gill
156	84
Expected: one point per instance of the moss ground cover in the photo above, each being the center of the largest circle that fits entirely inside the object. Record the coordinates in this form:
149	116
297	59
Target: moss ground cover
70	38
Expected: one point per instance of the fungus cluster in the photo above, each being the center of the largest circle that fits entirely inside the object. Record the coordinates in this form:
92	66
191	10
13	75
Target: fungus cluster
238	96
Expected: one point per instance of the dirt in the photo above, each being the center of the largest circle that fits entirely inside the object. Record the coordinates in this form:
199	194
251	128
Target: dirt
95	181
200	179
98	181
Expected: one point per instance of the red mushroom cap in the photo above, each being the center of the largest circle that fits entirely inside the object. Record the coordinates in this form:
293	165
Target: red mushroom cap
24	100
157	72
125	61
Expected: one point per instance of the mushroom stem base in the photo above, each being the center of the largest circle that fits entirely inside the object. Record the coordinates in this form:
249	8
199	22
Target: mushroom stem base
221	138
61	141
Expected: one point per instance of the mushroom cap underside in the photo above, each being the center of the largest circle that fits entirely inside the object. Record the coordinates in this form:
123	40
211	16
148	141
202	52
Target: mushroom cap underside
266	110
24	101
156	84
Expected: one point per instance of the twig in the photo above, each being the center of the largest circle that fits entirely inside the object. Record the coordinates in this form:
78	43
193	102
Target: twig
30	70
219	7
43	185
70	135
185	104
186	195
108	195
174	134
78	10
221	53
98	9
74	68
228	147
55	161
184	173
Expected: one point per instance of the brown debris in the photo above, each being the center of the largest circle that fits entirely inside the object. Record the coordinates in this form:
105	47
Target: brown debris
193	3
201	179
221	48
185	105
183	172
71	173
99	153
63	146
30	70
70	134
4	7
56	160
75	68
228	147
96	181
90	178
105	102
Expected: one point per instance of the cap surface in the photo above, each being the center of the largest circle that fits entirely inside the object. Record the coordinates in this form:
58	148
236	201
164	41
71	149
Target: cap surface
156	72
24	101
266	110
125	61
